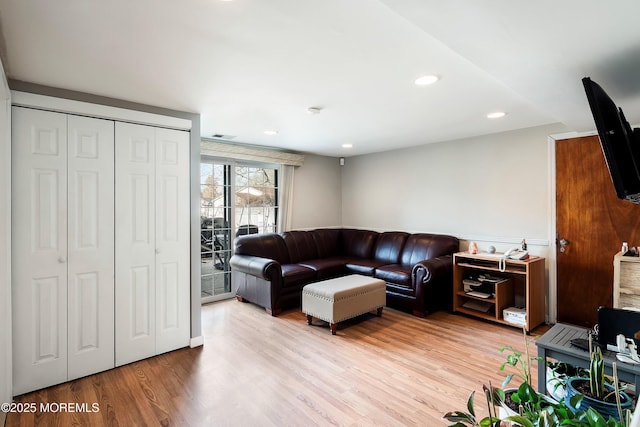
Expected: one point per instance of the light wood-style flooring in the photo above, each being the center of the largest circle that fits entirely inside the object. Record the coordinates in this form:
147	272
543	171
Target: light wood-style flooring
258	370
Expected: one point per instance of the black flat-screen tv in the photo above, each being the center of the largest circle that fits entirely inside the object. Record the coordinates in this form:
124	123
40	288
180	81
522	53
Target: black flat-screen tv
620	143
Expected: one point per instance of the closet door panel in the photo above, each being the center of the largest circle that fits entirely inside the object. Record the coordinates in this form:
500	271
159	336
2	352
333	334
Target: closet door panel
135	242
91	245
172	240
39	247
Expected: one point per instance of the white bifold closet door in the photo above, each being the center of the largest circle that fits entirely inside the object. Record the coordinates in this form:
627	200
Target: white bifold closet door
63	247
91	245
152	241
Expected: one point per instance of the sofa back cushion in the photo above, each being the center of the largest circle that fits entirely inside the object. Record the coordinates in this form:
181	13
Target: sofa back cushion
300	246
389	246
327	241
267	245
357	243
423	246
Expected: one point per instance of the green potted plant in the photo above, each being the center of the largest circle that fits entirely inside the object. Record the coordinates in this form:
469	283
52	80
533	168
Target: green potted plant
555	414
524	399
530	409
558	373
605	398
521	406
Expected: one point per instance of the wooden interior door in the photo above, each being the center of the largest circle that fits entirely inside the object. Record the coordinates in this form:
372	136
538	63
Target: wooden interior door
594	222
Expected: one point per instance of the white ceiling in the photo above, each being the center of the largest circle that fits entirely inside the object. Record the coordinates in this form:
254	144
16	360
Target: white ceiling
251	65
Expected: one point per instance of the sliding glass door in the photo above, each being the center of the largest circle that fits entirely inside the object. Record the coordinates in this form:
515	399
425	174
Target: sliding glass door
235	199
215	230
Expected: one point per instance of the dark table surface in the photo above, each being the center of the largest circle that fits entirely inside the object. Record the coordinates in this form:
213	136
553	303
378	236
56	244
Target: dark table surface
556	344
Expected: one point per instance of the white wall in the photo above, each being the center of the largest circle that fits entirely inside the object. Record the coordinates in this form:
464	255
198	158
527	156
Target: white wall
492	189
5	244
317	193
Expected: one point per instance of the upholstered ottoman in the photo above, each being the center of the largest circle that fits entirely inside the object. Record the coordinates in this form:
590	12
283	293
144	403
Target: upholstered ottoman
343	298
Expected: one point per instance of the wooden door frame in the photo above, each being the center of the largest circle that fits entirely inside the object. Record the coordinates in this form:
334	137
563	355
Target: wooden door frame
552	296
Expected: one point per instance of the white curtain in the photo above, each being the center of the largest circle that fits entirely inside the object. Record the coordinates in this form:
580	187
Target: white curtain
287	173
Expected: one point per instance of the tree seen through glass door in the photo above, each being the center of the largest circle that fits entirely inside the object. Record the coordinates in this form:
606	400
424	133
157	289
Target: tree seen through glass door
255	202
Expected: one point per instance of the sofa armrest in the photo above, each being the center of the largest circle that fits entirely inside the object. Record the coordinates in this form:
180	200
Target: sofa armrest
433	282
432	269
264	268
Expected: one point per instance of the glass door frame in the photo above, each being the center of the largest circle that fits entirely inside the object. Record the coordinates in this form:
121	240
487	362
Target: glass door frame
229	227
216	237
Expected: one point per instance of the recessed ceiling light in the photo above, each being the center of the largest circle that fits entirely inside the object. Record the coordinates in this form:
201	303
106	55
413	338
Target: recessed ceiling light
270	132
347	145
426	80
496	115
314	110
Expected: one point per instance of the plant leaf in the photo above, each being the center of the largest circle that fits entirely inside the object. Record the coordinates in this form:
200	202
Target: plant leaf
575	400
524	422
594	418
506	380
458	417
527	393
489	422
470	404
494	395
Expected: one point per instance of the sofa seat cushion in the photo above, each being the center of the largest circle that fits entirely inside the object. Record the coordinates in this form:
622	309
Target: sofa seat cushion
394	273
326	267
294	274
363	266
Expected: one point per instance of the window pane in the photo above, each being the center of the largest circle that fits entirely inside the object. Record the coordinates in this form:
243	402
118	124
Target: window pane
242	177
269	179
205	172
255	198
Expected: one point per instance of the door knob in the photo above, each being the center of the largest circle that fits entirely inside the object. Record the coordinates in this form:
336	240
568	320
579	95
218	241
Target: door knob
563	243
62	259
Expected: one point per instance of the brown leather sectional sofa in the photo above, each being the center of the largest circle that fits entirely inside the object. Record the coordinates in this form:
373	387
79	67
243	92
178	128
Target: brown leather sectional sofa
271	269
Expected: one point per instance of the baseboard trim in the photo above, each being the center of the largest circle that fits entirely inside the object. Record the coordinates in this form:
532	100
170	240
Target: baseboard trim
196	341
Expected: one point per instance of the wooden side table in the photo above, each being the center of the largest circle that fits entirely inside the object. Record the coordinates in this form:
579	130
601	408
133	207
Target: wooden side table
524	282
